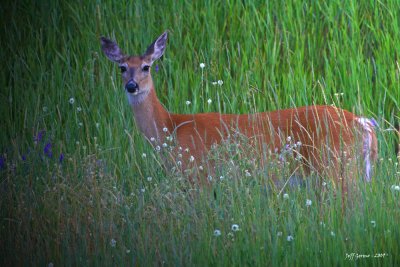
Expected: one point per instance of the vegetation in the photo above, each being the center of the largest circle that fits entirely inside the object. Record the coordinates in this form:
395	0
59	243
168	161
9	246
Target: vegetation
80	186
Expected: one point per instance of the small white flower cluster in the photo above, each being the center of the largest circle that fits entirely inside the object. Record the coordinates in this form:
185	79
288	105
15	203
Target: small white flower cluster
219	82
234	227
290	149
339	94
395	188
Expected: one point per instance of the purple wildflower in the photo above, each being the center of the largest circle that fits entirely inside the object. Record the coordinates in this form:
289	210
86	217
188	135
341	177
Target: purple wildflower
61	158
47	150
2	163
157	68
23	157
37	138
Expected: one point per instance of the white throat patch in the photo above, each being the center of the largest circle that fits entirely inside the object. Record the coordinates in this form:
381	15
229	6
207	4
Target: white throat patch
136	99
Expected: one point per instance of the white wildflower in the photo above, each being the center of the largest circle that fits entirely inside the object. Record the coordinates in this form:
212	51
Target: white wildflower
209	101
152	139
71	100
235	227
214	83
188	103
289	238
149	178
113	242
79	109
247	173
217	232
286	196
308	202
395	187
144	155
288	139
165	145
279	234
332	233
373	223
165	129
202	65
221	178
191	159
220	82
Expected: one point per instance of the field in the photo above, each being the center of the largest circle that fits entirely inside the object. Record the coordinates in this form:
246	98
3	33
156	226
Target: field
79	185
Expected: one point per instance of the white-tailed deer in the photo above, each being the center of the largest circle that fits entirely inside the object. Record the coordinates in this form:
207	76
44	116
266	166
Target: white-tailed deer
330	137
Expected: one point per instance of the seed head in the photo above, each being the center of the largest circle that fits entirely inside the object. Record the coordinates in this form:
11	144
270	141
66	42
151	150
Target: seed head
217	232
235	227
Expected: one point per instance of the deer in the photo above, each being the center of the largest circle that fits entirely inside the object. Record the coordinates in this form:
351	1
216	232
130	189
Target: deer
330	137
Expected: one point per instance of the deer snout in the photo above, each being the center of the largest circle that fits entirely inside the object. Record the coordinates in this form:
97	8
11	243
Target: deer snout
132	87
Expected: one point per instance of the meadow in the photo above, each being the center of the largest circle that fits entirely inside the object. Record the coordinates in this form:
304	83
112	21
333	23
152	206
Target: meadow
79	185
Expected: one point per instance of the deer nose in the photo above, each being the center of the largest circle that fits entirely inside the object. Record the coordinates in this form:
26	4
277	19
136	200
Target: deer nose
131	87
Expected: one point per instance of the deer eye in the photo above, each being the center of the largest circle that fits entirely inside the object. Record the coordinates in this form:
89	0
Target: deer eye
122	68
146	68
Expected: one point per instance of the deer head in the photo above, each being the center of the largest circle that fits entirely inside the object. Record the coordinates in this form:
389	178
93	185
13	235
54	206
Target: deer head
135	70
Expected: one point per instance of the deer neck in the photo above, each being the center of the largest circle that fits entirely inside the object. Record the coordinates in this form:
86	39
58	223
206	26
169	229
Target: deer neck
150	115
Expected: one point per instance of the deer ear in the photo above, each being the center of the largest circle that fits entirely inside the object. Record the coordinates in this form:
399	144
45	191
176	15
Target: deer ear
156	49
111	50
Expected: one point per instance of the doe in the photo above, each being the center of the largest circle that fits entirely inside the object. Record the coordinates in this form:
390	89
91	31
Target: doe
331	138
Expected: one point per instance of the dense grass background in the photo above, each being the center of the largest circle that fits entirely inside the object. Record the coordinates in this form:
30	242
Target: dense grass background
74	186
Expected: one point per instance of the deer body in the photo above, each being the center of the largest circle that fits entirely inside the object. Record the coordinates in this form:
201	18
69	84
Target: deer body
329	136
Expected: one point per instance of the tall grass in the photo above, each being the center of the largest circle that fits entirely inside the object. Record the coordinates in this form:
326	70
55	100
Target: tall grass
80	186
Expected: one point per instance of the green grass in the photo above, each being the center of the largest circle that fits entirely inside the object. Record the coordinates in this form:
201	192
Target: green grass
98	207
